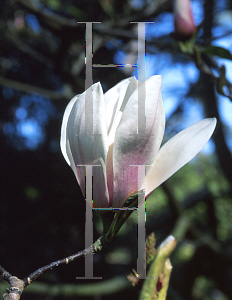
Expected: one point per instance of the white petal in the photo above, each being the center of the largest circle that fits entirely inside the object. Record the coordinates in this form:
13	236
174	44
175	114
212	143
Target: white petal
178	151
89	149
63	140
115	100
131	149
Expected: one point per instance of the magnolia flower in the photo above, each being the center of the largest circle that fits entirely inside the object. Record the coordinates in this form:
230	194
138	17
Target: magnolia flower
183	19
115	146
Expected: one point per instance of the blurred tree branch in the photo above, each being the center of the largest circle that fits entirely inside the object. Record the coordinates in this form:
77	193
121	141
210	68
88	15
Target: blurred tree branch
106	287
58	22
27	88
224	155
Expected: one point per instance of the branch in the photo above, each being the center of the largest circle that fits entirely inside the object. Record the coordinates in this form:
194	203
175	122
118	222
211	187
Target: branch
160	266
79	63
33	276
222	150
57	21
5	275
30	51
18	285
52	19
206	67
27	88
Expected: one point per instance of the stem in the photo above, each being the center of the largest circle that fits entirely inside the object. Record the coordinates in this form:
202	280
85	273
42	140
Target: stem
157	270
167	273
90	250
120	218
18	285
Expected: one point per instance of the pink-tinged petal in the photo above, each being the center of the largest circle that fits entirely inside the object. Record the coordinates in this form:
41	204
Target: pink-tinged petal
110	174
183	19
89	149
178	151
132	149
116	99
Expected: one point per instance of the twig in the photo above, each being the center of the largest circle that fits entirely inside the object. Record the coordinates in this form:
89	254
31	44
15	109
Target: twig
166	277
33	276
206	67
155	280
5	275
33	89
57	21
18	285
208	41
30	51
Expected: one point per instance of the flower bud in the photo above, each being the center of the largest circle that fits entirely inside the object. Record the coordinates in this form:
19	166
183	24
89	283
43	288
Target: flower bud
183	19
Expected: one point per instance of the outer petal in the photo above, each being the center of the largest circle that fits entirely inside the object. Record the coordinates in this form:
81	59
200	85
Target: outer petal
89	149
64	145
115	100
178	151
131	149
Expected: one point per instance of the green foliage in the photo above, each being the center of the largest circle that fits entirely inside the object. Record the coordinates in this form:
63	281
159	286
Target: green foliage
157	202
75	11
218	51
223	206
32	193
203	289
184	252
54	4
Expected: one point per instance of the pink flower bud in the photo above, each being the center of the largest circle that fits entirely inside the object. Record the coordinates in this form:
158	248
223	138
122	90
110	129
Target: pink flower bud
183	19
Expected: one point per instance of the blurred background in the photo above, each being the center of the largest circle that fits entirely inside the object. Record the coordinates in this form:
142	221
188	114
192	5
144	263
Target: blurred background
42	212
